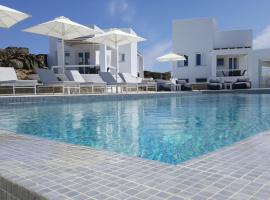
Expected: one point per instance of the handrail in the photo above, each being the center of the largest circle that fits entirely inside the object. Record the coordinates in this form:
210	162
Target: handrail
231	72
60	69
72	66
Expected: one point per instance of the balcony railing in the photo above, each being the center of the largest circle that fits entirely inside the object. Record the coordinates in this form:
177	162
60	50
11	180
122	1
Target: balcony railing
83	69
231	72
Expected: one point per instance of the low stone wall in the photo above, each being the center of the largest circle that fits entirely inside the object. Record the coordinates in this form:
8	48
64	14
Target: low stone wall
13	191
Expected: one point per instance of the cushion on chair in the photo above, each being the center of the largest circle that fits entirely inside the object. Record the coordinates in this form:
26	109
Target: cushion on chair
214	81
242	80
181	81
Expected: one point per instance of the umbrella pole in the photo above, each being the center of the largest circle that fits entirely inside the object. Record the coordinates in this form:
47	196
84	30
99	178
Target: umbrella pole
63	55
117	65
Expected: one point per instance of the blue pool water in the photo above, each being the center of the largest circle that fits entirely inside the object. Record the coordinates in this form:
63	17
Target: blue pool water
170	130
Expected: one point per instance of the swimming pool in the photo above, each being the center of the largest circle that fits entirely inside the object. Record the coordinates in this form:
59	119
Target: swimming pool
167	129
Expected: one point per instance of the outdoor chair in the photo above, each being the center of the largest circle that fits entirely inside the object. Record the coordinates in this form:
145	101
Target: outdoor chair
49	79
8	78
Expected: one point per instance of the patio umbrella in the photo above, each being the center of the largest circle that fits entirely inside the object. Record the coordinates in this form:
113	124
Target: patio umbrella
170	57
115	38
62	28
9	16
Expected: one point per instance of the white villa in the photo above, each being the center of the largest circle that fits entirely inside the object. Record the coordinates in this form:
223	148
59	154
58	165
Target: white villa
92	57
210	54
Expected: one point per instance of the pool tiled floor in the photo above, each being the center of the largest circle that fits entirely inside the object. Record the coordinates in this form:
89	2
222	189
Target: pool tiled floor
62	171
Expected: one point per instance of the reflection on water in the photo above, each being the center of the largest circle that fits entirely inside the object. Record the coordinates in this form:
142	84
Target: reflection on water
171	130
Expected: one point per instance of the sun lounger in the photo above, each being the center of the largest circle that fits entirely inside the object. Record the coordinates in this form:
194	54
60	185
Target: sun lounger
214	84
49	79
241	83
87	80
137	82
9	78
111	82
180	85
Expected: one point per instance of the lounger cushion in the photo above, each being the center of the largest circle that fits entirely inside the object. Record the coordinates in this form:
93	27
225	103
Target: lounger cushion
214	81
7	74
128	78
93	78
108	78
47	76
74	75
241	85
242	80
181	81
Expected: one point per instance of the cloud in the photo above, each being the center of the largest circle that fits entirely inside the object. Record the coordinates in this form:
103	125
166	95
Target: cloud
262	40
151	53
122	9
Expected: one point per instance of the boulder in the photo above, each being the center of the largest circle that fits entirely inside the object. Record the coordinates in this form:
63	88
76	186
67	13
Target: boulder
23	62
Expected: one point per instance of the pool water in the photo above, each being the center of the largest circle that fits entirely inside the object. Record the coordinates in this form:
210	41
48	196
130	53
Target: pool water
167	129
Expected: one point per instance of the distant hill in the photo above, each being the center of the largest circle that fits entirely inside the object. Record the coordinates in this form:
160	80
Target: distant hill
157	75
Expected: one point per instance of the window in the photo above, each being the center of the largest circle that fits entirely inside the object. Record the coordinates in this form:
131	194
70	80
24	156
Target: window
67	58
184	79
182	63
122	57
83	58
86	58
80	56
186	61
233	64
220	62
201	80
198	59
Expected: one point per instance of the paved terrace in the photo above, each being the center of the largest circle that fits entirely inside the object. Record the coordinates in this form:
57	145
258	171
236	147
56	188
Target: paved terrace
59	171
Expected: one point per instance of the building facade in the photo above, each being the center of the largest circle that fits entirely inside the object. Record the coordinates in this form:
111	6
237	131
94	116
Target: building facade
212	54
92	57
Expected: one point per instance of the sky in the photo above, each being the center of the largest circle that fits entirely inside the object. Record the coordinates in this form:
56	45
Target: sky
151	19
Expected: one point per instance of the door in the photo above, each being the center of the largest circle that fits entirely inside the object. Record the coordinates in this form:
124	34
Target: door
233	65
84	59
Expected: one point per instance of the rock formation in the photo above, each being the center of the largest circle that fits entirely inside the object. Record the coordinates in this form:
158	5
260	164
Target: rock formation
24	62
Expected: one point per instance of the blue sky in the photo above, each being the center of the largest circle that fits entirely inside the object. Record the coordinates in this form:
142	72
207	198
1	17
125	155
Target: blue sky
151	19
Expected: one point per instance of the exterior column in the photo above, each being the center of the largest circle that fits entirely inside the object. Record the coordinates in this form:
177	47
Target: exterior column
214	66
103	57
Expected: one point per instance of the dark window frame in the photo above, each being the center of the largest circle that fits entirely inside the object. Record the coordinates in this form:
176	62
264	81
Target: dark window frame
223	62
201	80
186	61
122	55
198	59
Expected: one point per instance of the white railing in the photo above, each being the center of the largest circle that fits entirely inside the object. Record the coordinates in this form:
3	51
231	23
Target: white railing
60	69
231	72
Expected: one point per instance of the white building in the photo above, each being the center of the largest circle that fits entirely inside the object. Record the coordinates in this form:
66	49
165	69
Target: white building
210	54
92	57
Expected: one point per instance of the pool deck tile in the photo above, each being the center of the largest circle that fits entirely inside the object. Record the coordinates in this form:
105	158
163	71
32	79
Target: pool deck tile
58	171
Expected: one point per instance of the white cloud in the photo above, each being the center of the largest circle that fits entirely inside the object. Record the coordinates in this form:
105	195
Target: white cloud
262	40
121	9
151	53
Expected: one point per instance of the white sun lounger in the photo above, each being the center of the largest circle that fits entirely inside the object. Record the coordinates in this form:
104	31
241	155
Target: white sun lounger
49	79
111	82
9	78
129	79
87	80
